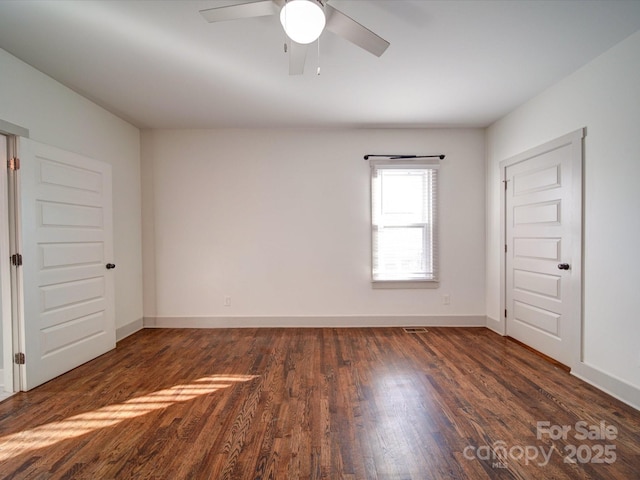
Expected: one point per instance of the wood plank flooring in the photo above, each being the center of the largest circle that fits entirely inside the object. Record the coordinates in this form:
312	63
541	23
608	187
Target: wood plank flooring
379	403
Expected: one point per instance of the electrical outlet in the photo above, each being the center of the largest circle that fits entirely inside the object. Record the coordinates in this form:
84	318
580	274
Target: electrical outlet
227	301
446	299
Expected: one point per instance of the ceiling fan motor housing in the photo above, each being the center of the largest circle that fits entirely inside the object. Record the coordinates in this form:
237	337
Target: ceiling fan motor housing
303	20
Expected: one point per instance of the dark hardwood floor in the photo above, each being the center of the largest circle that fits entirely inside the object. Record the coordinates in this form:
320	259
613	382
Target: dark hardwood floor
379	403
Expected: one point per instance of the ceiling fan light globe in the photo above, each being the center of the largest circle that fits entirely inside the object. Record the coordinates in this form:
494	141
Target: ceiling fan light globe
302	20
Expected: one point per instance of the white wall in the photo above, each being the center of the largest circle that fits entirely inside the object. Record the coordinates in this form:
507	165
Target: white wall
57	116
279	221
603	96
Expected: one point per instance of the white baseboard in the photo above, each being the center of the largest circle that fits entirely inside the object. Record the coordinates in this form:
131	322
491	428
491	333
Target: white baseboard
345	321
3	394
495	325
615	387
129	329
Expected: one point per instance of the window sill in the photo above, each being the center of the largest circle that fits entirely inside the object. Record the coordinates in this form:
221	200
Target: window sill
404	284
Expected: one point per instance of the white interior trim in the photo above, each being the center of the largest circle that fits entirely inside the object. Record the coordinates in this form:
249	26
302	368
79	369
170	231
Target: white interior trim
615	387
400	284
338	321
6	323
8	128
495	325
129	329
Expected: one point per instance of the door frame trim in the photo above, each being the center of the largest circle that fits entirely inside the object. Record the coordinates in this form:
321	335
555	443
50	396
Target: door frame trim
6	316
8	322
8	129
576	140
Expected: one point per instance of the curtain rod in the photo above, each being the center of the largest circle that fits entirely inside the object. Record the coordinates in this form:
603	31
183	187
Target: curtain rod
402	157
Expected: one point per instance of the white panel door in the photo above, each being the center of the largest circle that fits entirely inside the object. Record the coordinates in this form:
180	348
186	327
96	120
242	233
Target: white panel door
543	258
67	241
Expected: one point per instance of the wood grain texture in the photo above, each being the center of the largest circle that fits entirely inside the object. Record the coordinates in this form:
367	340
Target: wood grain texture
379	403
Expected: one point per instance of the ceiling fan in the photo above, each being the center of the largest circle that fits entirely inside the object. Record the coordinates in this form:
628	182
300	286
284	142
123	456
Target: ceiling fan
303	22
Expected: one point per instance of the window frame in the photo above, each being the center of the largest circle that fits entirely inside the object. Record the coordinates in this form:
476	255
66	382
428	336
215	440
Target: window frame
433	246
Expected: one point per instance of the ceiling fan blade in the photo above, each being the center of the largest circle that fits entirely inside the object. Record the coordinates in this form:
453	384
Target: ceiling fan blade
261	8
349	29
297	58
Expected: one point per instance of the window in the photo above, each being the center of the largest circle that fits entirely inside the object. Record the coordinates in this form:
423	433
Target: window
404	224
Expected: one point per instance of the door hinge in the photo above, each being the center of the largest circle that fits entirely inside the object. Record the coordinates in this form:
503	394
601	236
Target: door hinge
505	248
19	358
13	163
505	313
505	183
16	259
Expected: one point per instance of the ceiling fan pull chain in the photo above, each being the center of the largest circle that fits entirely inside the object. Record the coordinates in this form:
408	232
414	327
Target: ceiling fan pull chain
286	37
318	70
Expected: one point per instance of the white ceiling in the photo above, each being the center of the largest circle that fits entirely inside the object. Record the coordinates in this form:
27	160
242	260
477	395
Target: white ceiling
159	64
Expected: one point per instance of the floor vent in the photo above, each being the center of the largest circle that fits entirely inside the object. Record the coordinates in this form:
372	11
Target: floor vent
415	330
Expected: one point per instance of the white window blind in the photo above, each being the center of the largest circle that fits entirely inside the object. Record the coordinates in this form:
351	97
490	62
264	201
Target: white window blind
404	222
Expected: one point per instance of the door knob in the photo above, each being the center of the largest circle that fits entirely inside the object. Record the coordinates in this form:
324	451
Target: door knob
110	266
563	266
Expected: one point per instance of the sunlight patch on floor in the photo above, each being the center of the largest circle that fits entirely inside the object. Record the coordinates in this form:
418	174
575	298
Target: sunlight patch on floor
111	415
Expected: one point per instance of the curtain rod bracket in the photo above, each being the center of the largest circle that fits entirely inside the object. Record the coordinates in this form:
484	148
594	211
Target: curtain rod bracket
403	157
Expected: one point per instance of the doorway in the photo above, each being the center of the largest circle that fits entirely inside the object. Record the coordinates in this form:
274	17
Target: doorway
65	237
543	248
56	290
